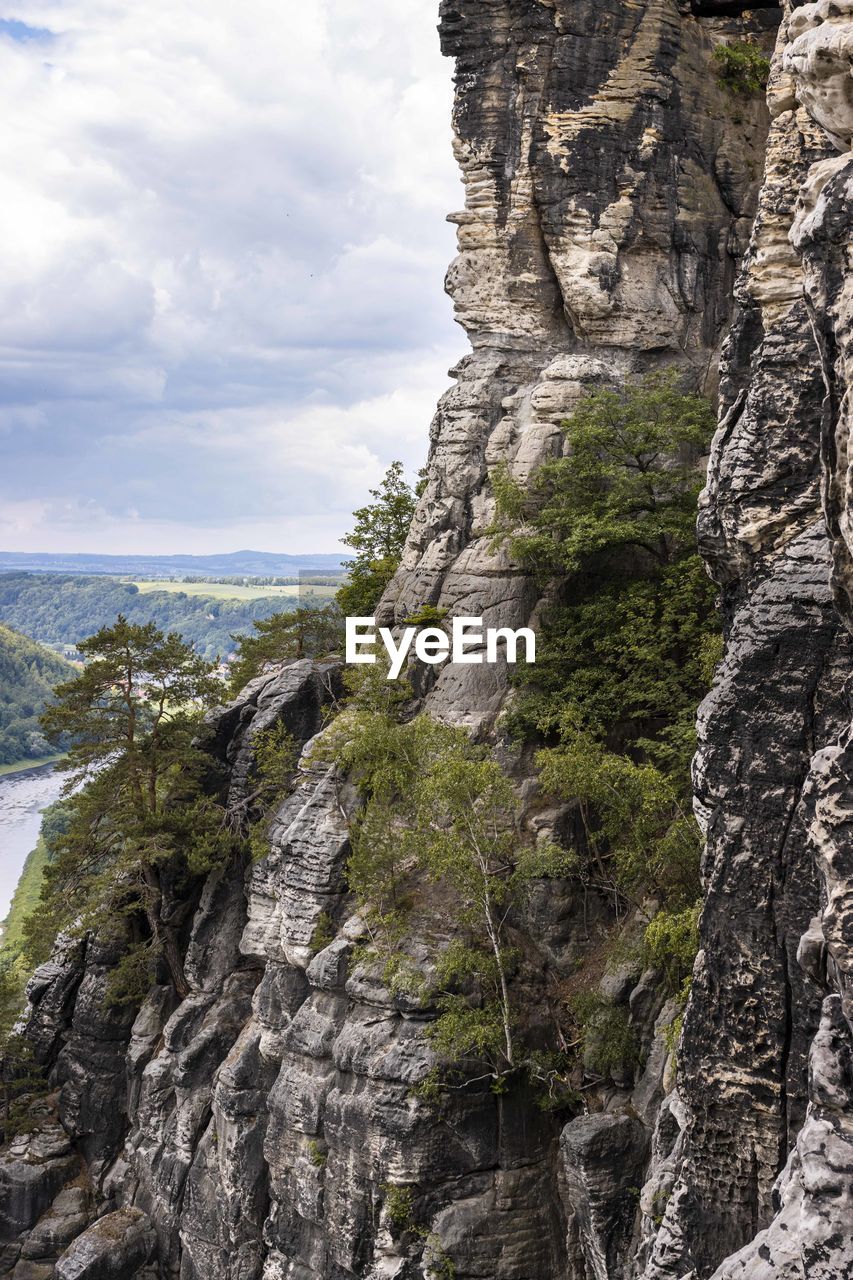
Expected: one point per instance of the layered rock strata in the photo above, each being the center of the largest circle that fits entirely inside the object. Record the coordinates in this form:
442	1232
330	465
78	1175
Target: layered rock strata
610	189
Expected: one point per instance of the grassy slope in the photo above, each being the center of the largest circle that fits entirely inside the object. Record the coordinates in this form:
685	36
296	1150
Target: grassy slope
26	896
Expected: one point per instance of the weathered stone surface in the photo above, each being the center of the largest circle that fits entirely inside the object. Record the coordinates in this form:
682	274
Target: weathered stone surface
115	1247
810	1233
293	694
604	1157
32	1169
753	1011
302	878
66	1218
770	810
610	186
51	993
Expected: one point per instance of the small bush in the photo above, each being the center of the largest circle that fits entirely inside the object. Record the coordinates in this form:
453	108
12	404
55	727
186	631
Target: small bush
710	654
660	1200
316	1155
672	1033
671	944
324	932
605	1032
428	615
549	1073
438	1263
399	1204
742	68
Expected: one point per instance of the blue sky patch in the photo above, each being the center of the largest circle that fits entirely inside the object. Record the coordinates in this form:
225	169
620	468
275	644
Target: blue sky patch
21	32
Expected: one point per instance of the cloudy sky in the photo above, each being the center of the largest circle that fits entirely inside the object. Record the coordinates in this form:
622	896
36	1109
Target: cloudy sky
222	248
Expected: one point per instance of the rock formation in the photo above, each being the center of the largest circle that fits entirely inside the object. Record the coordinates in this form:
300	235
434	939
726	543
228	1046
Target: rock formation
624	212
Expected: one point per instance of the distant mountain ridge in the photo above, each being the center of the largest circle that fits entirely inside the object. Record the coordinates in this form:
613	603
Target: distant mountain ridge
251	563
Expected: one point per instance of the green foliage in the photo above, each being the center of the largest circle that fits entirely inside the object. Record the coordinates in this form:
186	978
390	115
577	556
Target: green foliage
275	758
61	610
316	1154
742	68
11	995
137	696
428	615
275	755
25	899
438	1265
54	825
638	835
549	1072
606	1036
385	758
710	654
628	481
308	632
437	807
629	655
672	1034
363	589
660	1200
130	979
399	1206
378	539
624	654
143	821
431	1087
27	676
20	1075
324	932
466	836
672	942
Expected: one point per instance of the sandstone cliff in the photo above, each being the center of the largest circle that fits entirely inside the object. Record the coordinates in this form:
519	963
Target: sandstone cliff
623	212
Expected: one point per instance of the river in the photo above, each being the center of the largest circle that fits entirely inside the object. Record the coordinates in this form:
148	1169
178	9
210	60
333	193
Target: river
23	796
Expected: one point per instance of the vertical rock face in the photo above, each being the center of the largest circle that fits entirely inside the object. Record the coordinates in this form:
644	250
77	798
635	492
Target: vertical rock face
610	187
619	203
766	1085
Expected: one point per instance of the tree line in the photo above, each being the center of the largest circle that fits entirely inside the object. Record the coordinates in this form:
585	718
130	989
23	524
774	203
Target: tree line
28	674
61	609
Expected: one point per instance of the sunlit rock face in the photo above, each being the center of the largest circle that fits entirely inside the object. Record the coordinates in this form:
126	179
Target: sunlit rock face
624	212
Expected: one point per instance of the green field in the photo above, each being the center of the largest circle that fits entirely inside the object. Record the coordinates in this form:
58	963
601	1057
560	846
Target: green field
225	591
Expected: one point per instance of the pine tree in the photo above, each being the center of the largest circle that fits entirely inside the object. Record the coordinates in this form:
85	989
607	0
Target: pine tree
142	821
378	539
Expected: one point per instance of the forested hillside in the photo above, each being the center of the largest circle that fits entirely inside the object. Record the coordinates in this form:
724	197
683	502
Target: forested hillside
59	609
27	676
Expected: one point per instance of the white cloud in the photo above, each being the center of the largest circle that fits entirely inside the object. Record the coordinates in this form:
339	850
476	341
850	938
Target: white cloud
221	258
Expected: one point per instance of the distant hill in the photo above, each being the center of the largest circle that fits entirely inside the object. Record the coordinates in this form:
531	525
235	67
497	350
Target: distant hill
28	674
251	563
61	609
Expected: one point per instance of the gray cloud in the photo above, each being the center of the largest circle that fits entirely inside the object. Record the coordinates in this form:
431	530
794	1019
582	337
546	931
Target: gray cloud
222	244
